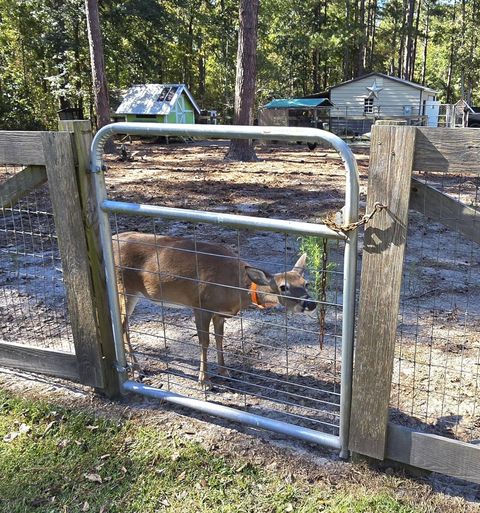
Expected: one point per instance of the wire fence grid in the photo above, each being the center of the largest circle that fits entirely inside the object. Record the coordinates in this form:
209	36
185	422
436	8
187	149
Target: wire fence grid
33	306
275	365
437	363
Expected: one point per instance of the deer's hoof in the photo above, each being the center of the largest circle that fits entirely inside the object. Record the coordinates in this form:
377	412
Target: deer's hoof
205	383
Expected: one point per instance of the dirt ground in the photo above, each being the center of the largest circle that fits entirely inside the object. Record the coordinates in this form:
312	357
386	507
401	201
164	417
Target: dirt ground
438	350
275	363
436	369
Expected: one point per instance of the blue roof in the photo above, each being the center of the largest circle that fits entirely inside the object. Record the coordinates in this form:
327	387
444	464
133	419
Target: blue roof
298	103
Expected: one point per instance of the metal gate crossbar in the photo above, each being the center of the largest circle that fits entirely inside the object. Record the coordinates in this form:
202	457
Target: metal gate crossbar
105	206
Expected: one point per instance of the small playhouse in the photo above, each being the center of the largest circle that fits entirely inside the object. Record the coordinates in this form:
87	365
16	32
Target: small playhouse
160	103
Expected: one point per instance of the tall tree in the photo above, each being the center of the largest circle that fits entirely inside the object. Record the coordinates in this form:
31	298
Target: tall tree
245	79
409	57
100	89
453	51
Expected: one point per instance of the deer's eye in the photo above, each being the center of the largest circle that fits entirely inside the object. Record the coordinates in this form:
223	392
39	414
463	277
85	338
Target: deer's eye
283	288
306	284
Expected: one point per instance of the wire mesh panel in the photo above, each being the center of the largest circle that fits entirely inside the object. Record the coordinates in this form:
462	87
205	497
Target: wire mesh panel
436	374
33	308
277	363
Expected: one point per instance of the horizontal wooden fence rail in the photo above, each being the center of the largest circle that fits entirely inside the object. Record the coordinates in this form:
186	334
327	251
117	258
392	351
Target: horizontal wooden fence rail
434	453
447	149
22	148
42	361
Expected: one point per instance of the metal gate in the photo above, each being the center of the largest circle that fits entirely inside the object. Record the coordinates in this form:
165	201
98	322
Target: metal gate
331	427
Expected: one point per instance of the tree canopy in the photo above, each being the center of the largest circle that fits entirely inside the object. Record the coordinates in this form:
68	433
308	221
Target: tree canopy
304	46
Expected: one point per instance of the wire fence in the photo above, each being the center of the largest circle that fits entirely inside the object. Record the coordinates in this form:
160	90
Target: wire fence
33	308
273	359
437	368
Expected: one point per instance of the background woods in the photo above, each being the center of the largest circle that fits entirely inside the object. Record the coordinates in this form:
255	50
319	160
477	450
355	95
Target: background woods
304	46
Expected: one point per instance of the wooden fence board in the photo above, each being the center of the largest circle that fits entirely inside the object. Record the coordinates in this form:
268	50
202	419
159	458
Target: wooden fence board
441	208
391	161
21	148
21	184
73	250
38	360
434	453
447	149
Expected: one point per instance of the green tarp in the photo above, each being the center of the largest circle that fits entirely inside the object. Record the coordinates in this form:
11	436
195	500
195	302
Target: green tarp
298	103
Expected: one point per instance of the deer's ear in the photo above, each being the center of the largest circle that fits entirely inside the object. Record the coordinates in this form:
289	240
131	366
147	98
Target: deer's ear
258	276
299	267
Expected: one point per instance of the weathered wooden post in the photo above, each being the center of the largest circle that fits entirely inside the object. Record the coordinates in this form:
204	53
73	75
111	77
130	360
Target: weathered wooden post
81	133
391	161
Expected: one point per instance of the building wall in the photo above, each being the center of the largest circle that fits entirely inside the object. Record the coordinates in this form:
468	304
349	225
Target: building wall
144	118
185	112
349	98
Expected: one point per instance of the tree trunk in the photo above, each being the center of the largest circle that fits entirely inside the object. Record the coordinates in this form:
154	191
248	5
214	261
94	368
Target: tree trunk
315	73
360	68
100	89
401	52
393	70
245	80
452	56
346	48
408	71
425	44
415	40
201	71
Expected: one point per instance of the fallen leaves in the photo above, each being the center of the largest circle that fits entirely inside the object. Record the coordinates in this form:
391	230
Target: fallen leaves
49	427
22	429
94	478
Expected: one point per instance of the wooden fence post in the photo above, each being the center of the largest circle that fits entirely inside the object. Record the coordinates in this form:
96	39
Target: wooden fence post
391	161
60	167
82	138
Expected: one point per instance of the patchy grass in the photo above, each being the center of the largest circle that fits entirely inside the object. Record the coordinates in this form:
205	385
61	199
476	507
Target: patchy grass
59	460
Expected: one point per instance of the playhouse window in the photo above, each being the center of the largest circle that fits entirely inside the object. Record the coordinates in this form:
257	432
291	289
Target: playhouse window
368	106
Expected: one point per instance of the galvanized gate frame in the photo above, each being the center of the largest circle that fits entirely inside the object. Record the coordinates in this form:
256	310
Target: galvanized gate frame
105	206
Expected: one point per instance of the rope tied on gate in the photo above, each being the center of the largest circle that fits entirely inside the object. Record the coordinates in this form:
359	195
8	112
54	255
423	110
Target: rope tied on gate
331	222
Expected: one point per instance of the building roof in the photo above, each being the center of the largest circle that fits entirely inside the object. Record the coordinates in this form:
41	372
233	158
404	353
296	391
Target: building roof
396	79
157	99
298	103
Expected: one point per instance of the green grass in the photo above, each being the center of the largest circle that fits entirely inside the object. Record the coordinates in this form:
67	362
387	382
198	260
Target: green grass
66	461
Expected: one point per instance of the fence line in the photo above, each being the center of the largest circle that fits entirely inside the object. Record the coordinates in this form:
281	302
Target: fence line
445	195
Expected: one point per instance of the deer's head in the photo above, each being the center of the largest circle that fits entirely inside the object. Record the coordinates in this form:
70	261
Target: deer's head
290	289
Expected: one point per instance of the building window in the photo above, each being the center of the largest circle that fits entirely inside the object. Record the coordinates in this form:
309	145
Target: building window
368	106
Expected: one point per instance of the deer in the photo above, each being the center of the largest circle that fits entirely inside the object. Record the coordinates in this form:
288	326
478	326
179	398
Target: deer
207	277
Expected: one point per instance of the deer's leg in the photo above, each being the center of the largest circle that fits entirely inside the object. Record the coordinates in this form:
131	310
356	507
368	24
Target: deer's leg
202	321
127	305
218	325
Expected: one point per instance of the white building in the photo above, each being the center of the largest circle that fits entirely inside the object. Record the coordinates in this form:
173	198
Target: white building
374	96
